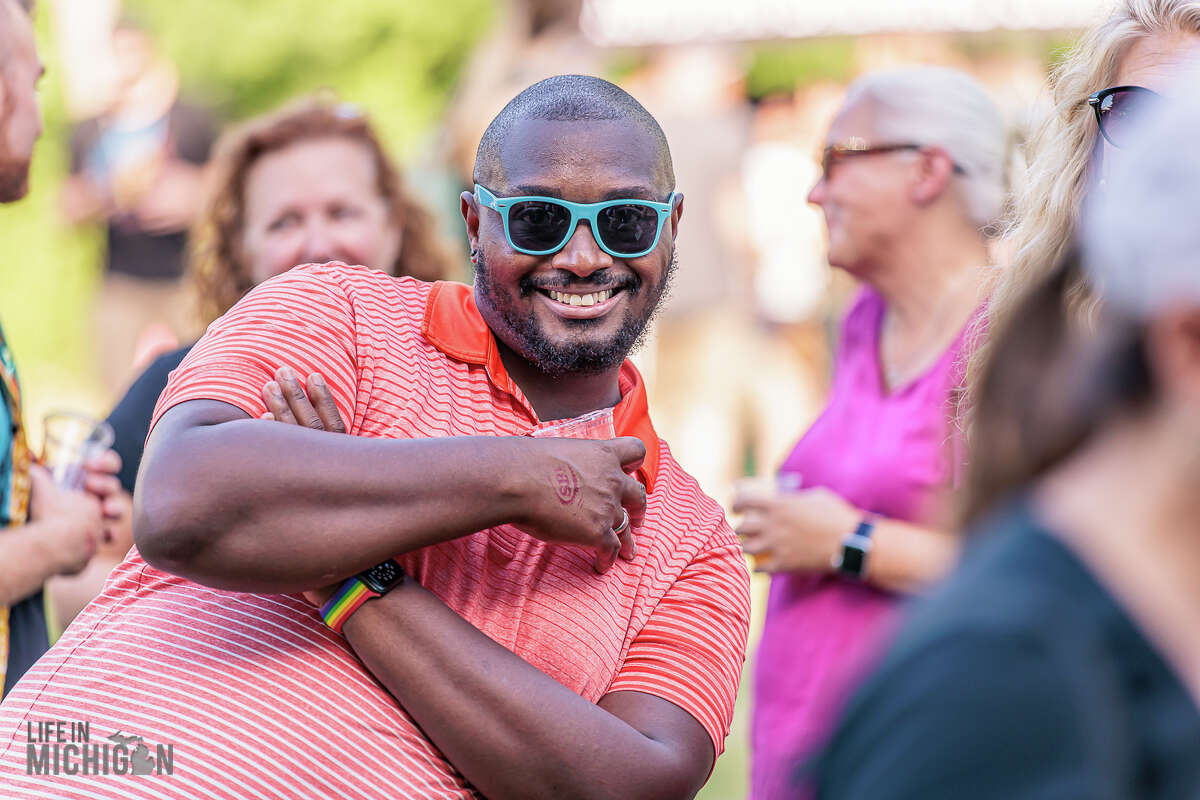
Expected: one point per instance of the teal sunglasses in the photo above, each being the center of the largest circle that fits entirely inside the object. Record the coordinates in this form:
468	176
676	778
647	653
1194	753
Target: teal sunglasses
539	226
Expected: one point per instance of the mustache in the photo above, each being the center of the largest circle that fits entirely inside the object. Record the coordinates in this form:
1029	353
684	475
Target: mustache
596	282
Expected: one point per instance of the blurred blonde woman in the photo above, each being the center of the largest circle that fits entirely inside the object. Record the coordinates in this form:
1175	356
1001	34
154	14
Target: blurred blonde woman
1137	46
307	183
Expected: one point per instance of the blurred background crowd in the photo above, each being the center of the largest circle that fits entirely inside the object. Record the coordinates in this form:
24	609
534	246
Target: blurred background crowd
100	279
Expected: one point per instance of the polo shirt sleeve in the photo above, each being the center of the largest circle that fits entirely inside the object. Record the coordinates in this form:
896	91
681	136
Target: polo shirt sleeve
301	319
691	650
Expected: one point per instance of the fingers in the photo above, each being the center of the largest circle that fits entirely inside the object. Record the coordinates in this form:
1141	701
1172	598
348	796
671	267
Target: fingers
310	404
108	462
755	545
630	451
276	404
322	399
748	503
633	502
40	480
293	391
101	484
117	505
606	552
752	524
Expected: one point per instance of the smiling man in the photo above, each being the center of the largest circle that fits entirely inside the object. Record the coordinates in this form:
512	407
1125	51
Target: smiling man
507	614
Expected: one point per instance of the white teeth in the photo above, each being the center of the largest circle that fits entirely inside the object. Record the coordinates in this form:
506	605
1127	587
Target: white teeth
590	299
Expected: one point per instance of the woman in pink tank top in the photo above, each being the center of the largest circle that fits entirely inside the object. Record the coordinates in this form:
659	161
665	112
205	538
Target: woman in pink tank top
913	175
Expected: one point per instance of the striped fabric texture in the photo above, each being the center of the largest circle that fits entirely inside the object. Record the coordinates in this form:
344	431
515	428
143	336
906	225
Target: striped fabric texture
259	699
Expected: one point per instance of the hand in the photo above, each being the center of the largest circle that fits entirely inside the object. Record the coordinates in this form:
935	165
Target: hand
116	505
794	531
310	404
75	525
578	493
118	527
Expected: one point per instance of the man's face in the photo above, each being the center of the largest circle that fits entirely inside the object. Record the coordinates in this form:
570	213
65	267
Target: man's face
21	120
526	300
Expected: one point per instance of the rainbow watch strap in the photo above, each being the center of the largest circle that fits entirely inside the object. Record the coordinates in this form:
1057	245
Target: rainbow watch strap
345	601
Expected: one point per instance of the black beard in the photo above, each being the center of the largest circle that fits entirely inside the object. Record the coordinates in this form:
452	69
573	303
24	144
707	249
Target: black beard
524	336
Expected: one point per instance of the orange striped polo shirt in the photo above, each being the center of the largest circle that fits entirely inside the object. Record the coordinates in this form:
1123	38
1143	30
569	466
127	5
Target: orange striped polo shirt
259	699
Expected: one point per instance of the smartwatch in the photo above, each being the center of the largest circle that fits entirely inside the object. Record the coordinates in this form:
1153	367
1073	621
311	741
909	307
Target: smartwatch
851	560
375	582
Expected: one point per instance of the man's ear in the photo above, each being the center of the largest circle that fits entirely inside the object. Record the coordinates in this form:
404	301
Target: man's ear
676	215
935	169
469	208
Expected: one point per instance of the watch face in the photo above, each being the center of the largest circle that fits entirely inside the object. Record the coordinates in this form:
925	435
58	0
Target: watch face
852	561
382	577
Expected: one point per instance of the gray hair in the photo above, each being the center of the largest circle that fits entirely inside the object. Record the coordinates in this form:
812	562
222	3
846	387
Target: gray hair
1140	231
937	106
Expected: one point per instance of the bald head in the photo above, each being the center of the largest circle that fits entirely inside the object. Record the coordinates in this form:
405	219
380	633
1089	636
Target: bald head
569	98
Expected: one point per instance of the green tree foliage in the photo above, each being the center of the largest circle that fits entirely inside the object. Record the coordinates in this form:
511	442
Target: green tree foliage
398	59
782	66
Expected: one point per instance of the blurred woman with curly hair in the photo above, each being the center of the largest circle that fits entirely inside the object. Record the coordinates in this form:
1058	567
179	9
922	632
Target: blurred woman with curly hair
307	183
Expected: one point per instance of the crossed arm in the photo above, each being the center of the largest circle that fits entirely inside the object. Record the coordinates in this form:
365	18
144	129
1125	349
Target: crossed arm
221	497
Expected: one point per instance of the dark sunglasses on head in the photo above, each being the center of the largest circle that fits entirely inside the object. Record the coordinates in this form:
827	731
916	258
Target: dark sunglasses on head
539	226
835	153
1118	106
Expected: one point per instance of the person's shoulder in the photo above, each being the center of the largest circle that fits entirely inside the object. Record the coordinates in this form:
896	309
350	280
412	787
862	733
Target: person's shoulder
1014	576
358	285
149	384
164	363
978	696
693	521
679	492
991	688
990	713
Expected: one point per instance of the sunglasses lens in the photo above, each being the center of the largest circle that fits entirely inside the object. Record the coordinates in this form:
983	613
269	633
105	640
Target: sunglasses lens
538	225
628	228
1120	110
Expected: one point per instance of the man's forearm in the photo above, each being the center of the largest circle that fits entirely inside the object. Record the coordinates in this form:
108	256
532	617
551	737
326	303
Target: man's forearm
26	562
513	731
259	506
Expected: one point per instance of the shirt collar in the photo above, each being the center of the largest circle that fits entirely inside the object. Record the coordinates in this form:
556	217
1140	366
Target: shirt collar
453	325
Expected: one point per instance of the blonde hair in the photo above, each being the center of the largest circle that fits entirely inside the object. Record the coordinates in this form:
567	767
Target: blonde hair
1060	155
217	270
